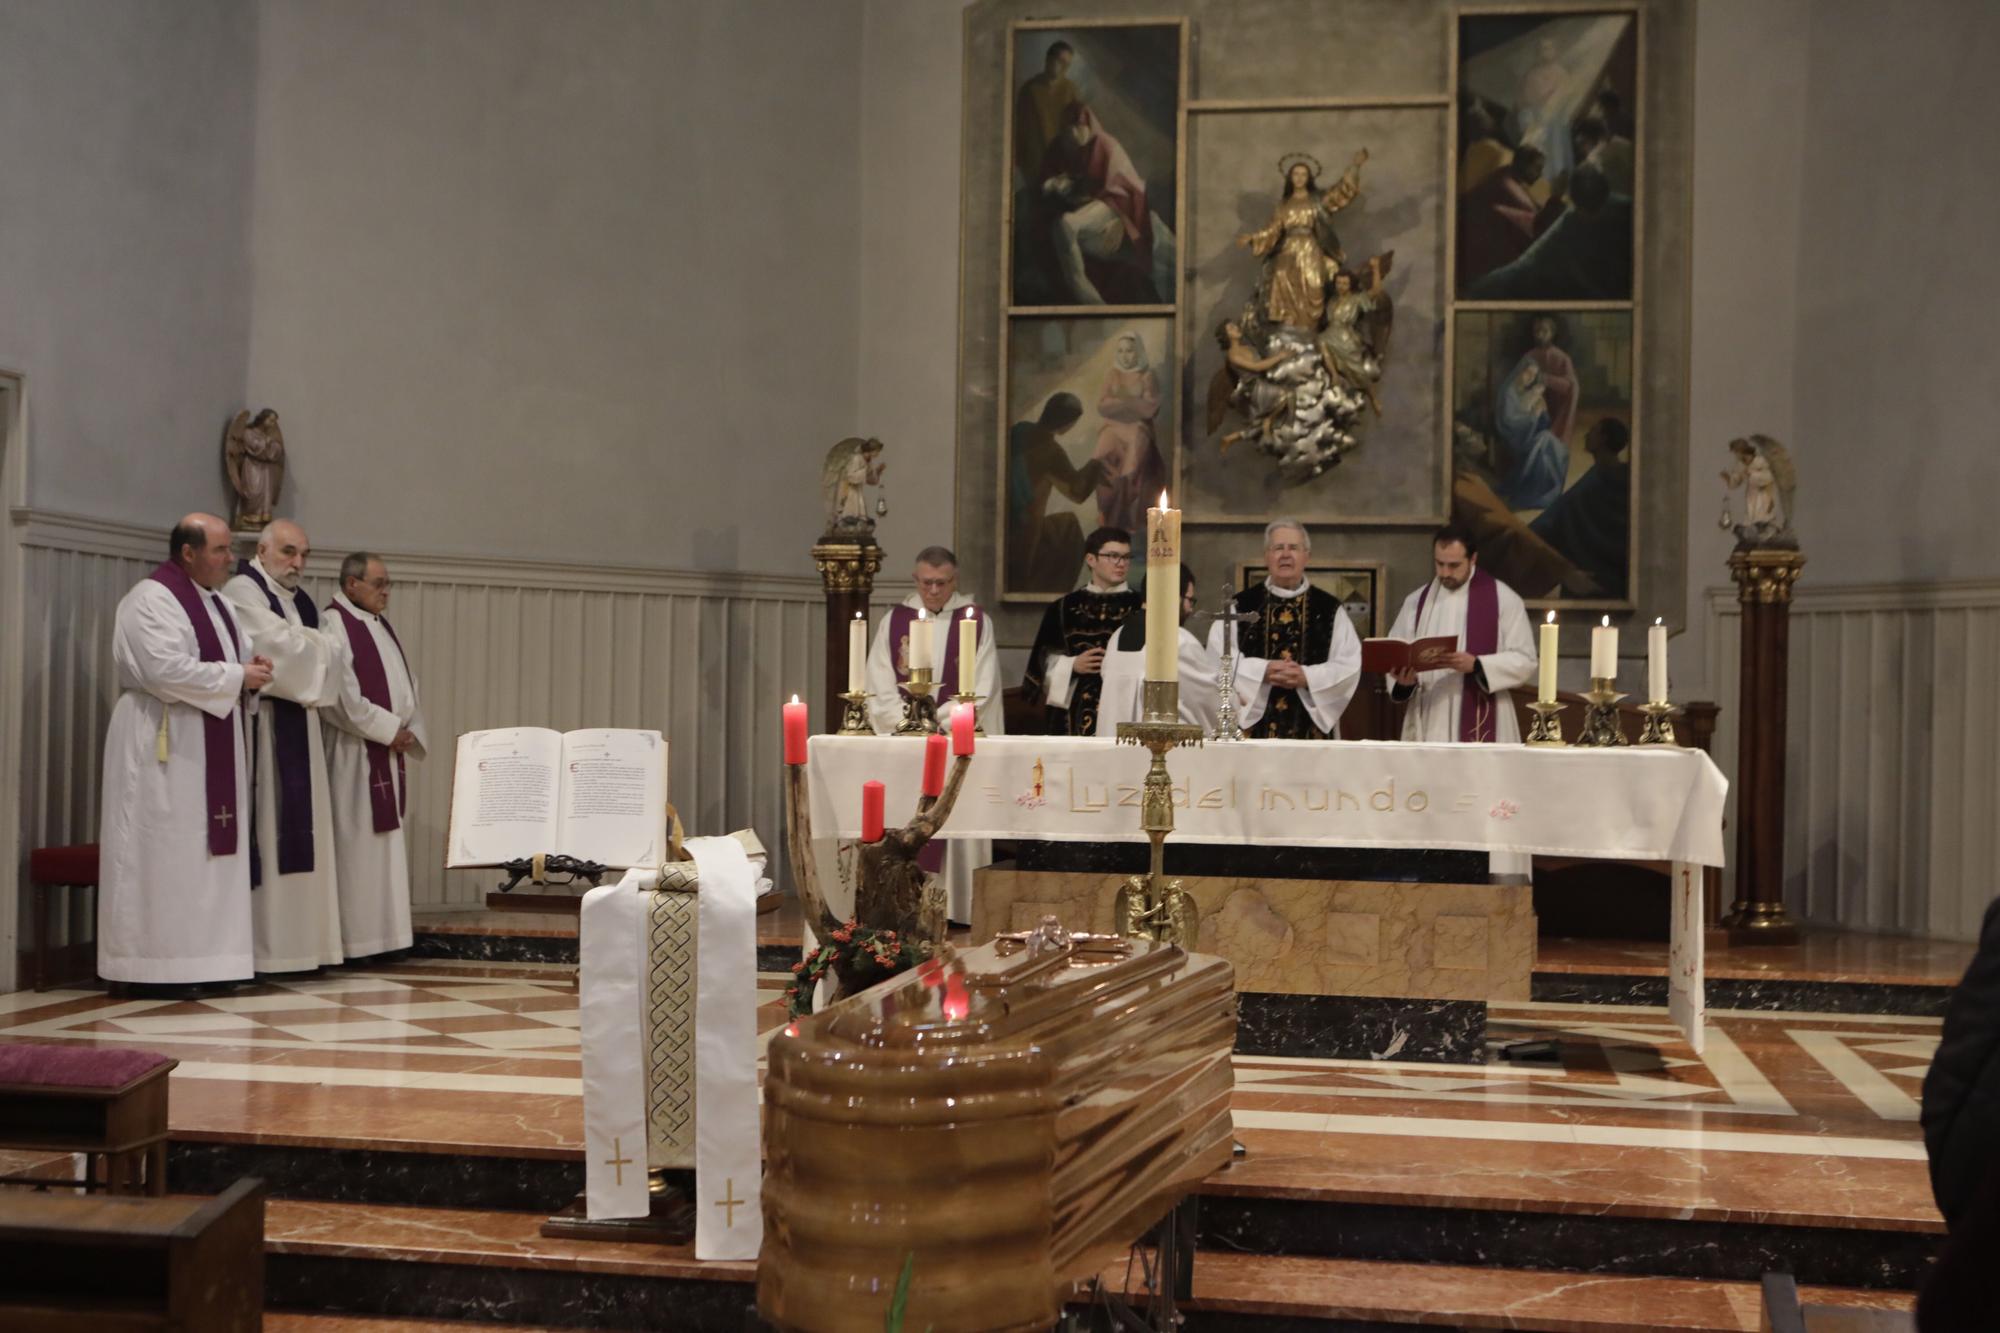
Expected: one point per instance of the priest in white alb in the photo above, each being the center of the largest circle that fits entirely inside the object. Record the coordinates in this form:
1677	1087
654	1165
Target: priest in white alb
174	891
1468	699
1298	658
295	894
377	726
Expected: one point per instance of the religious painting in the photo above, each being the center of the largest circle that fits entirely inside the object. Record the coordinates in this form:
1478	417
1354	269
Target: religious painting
1093	163
1315	317
1090	409
1547	173
1543	451
1358	585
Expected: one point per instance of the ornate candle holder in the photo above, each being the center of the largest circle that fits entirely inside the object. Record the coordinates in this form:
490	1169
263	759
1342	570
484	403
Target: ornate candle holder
1546	729
971	701
1600	718
854	721
1150	906
1659	727
919	709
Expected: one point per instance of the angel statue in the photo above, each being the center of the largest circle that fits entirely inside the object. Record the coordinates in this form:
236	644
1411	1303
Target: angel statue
253	456
1763	469
851	467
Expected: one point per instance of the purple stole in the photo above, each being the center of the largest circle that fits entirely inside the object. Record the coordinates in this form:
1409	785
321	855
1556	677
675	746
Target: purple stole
900	621
291	755
218	740
1482	636
386	797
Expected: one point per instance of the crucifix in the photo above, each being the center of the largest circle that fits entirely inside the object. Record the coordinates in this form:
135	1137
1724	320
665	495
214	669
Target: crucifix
617	1161
1229	618
729	1203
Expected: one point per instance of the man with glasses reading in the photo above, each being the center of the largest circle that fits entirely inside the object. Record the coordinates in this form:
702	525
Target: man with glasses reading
1298	662
1066	664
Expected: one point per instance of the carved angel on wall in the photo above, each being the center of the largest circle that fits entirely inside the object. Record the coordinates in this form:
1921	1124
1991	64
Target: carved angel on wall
253	457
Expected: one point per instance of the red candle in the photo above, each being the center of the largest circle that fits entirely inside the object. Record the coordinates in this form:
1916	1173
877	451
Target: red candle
957	999
934	765
795	731
963	720
871	811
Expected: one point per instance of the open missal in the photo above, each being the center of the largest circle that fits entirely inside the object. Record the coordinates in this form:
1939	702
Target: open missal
597	795
1385	657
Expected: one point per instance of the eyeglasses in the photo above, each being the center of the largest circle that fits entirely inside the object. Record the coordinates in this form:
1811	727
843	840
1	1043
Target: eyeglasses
1117	557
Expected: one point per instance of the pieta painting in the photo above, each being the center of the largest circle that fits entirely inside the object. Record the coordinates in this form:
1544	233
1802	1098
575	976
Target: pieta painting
1094	163
1543	450
1547	173
1090	413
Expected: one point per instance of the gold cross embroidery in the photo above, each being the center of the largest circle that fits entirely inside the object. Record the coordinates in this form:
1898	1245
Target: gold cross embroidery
729	1203
617	1161
222	816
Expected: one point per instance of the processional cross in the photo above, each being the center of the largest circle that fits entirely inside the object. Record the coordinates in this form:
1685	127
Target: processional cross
1229	618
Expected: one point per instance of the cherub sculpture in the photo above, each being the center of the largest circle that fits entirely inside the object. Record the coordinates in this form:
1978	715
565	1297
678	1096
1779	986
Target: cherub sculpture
253	457
1763	469
851	467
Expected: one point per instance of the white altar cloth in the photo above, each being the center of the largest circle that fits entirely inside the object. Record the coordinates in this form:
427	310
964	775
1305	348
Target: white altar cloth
1650	804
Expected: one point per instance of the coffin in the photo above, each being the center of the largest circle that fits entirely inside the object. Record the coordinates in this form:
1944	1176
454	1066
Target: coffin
1007	1121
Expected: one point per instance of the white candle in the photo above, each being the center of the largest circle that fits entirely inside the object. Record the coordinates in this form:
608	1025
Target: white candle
1546	692
1603	651
920	644
968	651
1656	662
857	653
1163	592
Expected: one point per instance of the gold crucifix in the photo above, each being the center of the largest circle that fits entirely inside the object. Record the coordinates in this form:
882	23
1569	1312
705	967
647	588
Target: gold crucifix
617	1161
729	1203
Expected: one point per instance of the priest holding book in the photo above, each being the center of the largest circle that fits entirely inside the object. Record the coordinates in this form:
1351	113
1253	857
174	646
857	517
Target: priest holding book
1300	659
1467	698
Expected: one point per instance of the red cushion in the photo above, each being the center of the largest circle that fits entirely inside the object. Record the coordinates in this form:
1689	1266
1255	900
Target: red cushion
63	865
74	1066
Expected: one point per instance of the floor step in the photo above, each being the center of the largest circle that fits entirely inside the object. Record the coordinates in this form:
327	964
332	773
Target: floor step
281	1321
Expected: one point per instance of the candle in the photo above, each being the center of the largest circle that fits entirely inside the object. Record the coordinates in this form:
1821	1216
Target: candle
871	811
957	997
963	720
1547	691
1656	662
857	653
920	644
1163	592
1603	651
795	731
934	746
968	651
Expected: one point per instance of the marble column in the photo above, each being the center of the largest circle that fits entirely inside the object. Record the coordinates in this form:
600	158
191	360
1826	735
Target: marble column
1764	578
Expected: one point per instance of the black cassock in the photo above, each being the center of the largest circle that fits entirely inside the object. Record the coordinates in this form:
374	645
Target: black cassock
1074	624
1299	629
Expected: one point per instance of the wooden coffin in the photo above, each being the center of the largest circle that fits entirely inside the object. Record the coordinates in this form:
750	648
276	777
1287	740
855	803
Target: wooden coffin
1011	1122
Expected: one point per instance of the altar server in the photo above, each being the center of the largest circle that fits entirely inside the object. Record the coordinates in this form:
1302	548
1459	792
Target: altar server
1066	663
1299	661
174	896
377	727
295	903
1468	699
1125	669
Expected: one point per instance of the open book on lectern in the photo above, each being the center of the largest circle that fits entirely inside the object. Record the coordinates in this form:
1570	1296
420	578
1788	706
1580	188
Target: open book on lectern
597	795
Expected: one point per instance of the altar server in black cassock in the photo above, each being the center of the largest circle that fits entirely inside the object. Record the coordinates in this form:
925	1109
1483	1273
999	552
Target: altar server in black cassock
1298	663
1065	667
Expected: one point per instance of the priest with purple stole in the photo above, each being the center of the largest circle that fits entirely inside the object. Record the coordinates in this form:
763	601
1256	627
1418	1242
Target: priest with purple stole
1468	698
174	892
295	898
376	727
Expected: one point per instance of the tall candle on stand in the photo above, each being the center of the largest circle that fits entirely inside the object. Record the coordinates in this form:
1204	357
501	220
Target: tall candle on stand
968	651
857	653
795	731
1546	692
1603	651
920	644
1656	662
1163	592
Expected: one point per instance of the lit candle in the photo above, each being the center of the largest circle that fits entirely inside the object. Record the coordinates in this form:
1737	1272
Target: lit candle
920	644
1656	661
1163	592
871	811
795	731
857	653
934	746
968	651
1603	651
1547	691
957	997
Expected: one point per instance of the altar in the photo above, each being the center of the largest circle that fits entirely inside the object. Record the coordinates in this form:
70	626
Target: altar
1654	803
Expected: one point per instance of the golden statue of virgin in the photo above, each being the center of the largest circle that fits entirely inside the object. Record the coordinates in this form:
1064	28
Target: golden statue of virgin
1300	247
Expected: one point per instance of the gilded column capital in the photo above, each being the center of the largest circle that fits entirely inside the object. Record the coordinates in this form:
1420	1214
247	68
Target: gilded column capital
1765	575
847	566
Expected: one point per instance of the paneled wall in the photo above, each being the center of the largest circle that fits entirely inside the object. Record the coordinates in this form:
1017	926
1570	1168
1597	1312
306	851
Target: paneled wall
705	658
1893	757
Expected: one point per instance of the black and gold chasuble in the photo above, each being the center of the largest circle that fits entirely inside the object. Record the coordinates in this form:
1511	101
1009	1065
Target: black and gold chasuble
1296	629
1074	624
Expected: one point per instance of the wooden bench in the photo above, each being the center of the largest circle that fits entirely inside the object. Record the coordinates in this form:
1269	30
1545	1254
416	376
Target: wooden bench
108	1103
94	1264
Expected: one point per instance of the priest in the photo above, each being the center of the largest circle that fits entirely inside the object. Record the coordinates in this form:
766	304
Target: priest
1468	698
1125	669
174	893
377	727
1298	662
1066	663
295	898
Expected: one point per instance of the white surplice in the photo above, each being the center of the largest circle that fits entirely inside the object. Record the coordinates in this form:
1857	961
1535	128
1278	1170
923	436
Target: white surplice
168	911
885	714
1432	714
1329	685
295	918
374	867
1124	675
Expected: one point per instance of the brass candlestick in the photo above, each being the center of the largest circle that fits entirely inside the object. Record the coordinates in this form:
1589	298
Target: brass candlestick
1659	728
854	721
1150	906
1600	718
1546	729
919	709
964	700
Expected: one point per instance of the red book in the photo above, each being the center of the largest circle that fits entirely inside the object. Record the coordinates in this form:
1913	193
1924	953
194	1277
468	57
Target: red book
1385	657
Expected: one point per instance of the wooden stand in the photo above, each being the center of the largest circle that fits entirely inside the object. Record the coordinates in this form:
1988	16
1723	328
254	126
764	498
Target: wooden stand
847	568
1764	578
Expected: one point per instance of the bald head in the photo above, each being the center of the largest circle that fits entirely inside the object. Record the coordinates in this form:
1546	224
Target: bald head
199	544
282	549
